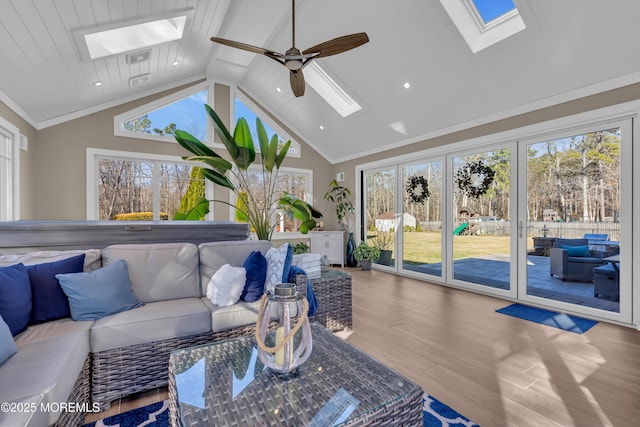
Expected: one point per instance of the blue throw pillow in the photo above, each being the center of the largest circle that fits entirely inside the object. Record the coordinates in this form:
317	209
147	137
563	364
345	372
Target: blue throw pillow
287	264
99	293
7	344
15	297
47	297
256	267
576	250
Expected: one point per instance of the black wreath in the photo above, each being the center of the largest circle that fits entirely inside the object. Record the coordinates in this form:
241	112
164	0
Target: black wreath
465	178
417	189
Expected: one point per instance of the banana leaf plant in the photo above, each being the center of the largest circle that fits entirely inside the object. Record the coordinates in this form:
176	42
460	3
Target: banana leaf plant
258	208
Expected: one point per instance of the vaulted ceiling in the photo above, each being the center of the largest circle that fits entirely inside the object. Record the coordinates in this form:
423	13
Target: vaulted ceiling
570	49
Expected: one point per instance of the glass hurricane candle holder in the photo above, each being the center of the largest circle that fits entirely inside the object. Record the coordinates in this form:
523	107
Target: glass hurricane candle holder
289	345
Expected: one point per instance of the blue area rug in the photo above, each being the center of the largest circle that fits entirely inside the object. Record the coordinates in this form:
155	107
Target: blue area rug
436	414
562	321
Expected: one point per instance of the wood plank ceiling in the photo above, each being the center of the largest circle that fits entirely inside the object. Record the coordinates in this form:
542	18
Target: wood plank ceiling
569	49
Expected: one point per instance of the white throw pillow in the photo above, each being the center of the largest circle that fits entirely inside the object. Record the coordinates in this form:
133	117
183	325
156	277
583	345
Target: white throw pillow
226	285
276	261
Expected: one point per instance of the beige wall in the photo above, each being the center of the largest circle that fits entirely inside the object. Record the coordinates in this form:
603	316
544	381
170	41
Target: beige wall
605	99
53	172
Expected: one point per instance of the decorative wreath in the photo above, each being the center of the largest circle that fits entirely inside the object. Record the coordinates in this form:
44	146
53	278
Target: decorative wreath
417	189
474	178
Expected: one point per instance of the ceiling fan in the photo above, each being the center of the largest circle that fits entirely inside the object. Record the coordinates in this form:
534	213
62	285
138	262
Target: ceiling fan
295	60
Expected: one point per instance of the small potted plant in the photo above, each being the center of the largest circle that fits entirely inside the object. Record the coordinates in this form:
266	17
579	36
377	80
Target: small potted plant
300	248
365	255
384	242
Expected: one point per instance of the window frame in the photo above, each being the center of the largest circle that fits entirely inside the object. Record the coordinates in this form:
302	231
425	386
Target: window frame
96	154
158	104
479	35
283	235
10	193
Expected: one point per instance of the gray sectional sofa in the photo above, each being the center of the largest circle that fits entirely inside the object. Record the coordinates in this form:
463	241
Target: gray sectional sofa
69	367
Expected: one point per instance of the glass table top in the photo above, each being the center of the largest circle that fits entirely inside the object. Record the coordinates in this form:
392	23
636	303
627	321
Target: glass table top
225	384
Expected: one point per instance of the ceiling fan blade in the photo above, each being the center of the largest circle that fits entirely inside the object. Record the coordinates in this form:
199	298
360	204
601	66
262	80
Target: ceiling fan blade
337	45
247	47
297	82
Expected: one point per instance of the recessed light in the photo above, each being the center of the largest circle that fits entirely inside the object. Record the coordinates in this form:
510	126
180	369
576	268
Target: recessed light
98	83
278	89
321	127
176	62
407	85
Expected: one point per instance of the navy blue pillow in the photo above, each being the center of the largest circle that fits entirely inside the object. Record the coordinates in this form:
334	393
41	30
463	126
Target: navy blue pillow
49	301
15	297
256	267
287	264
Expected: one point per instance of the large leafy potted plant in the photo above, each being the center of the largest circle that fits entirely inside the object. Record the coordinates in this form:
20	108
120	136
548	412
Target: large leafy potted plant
259	208
340	197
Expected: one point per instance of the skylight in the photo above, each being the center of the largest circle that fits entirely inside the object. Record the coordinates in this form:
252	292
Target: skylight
483	23
492	9
113	39
328	89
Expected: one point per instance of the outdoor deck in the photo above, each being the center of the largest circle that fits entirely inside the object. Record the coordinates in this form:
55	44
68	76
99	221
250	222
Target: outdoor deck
495	273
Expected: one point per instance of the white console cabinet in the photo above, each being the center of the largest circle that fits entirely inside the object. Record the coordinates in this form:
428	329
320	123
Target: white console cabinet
329	243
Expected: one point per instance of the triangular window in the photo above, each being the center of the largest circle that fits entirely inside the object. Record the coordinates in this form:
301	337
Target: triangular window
158	120
245	108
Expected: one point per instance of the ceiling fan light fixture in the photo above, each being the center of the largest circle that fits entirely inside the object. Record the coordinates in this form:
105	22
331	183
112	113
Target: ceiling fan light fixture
293	64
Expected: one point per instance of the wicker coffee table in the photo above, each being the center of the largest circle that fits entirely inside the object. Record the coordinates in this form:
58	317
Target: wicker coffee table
224	384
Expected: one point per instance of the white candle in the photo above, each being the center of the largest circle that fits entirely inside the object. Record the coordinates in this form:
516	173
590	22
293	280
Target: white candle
280	353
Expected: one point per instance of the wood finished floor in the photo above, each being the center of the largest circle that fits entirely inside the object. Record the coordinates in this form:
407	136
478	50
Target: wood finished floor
494	369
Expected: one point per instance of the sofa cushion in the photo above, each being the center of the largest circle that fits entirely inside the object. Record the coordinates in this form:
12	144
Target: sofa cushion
576	251
226	285
214	255
50	367
99	293
158	272
92	258
238	315
152	322
7	344
36	418
49	301
233	316
256	272
15	297
55	328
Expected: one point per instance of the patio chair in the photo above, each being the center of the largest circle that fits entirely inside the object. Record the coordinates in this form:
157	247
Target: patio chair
572	259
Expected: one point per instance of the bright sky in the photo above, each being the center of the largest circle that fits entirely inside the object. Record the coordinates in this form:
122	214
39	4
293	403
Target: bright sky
190	112
491	9
186	114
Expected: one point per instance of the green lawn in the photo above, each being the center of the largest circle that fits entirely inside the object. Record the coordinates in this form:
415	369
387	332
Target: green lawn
425	247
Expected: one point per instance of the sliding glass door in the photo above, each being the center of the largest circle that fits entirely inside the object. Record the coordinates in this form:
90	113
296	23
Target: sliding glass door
540	220
573	220
480	218
422	210
381	220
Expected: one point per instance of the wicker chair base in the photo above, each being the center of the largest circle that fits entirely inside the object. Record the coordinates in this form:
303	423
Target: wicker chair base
127	370
79	395
335	311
